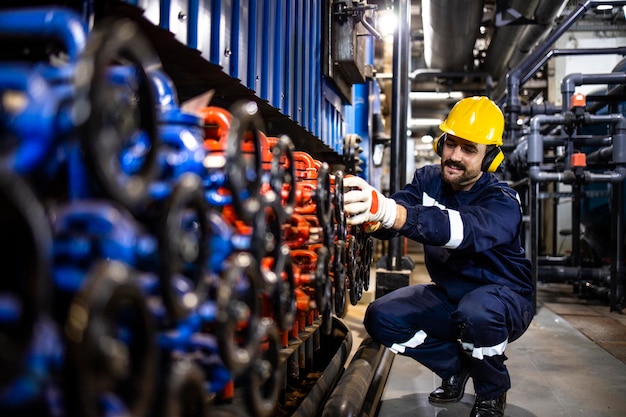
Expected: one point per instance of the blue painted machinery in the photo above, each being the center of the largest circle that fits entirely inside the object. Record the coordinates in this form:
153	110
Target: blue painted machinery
148	266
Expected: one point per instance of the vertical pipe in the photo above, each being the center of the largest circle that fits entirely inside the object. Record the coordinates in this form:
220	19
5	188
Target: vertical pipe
616	290
192	23
534	232
251	42
399	106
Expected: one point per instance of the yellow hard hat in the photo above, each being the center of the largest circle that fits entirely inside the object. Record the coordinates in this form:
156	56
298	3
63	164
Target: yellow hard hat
476	119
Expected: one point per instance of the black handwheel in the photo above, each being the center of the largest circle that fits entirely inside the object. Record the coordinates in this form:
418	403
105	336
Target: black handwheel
266	233
323	284
284	295
238	313
183	236
338	200
352	270
324	204
185	396
111	344
283	173
244	171
339	278
263	383
326	326
367	255
25	248
118	119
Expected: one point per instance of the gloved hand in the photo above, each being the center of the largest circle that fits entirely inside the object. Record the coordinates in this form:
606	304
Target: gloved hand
364	204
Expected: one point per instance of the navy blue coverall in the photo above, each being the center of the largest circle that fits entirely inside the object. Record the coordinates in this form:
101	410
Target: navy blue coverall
480	298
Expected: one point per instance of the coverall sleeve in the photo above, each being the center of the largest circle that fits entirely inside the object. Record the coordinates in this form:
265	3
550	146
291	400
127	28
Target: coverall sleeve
491	220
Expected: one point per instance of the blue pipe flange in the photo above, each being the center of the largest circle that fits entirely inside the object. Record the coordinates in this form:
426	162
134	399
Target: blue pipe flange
184	239
119	130
37	87
263	383
88	230
27	119
244	166
238	313
25	248
282	172
111	346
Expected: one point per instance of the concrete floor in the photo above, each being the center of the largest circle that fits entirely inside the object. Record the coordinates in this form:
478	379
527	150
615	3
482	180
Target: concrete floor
570	363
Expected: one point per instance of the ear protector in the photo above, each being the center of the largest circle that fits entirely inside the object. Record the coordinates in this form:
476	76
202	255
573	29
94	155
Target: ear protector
491	162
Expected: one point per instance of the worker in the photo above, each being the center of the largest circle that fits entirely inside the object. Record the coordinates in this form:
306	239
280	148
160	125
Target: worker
480	297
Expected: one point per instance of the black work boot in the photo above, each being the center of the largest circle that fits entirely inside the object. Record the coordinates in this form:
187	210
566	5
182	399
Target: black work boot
489	408
452	388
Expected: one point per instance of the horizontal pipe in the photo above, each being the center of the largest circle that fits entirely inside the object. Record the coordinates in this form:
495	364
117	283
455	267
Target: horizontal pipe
311	405
372	399
348	397
560	273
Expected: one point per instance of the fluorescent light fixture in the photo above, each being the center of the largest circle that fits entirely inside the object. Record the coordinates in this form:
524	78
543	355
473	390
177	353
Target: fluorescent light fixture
424	122
435	95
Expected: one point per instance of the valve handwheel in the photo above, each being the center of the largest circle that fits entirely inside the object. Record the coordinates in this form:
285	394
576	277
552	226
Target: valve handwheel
324	204
118	120
238	313
183	236
263	383
111	344
323	284
284	294
352	270
340	214
25	247
339	278
185	394
244	170
282	173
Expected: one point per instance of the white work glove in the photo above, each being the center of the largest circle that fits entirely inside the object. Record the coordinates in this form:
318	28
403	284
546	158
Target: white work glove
364	204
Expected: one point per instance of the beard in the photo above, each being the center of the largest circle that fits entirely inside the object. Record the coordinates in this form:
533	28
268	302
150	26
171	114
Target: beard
460	179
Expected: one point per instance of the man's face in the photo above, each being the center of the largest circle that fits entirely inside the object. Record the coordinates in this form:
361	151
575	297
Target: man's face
461	161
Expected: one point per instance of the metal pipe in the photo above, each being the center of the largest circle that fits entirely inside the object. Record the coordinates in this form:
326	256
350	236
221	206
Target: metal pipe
571	81
434	73
312	404
372	399
560	273
348	397
513	106
399	109
616	291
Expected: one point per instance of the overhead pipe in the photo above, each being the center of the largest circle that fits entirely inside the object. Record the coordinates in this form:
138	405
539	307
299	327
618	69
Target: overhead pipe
534	67
437	73
512	106
544	19
507	36
571	81
450	31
